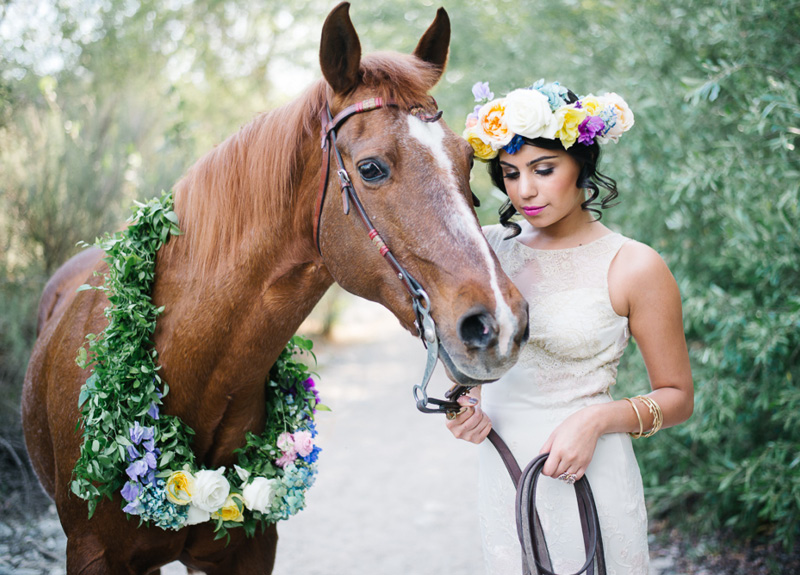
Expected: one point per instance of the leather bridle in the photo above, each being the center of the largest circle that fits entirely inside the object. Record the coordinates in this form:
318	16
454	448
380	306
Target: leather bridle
419	298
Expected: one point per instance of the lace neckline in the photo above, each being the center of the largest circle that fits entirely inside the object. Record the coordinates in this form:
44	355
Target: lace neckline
563	250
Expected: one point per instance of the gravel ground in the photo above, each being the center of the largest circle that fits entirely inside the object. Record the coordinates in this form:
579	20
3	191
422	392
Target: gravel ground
395	492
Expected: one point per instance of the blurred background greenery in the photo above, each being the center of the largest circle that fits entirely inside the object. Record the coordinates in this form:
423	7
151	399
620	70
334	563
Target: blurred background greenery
104	101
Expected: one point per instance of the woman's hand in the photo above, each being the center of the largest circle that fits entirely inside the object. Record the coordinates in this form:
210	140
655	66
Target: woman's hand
571	446
471	424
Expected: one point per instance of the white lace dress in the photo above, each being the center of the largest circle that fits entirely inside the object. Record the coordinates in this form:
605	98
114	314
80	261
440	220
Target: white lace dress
569	362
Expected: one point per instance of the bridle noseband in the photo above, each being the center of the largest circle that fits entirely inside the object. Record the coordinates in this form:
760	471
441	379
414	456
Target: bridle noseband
419	298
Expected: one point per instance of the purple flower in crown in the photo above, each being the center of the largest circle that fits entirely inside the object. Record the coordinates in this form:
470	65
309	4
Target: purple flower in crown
481	91
589	129
153	411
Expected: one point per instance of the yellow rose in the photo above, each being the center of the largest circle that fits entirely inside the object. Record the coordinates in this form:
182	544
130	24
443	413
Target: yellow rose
571	119
492	122
231	510
483	150
180	485
592	105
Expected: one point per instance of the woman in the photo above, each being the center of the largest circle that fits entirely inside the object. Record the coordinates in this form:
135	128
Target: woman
589	290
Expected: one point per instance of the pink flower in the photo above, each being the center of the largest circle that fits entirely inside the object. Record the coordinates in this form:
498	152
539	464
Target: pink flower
286	443
286	459
303	443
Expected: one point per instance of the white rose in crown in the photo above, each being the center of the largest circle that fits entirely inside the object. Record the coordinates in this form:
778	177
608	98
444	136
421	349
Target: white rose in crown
211	489
623	117
528	114
258	494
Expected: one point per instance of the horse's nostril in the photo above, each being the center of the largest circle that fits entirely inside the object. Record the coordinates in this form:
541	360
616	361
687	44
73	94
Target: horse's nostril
477	330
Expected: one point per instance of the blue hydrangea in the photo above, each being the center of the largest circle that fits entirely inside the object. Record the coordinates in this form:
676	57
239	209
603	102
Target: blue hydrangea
159	510
555	92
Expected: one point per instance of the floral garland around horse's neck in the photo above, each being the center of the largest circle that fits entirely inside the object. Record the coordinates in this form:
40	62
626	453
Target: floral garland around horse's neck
130	447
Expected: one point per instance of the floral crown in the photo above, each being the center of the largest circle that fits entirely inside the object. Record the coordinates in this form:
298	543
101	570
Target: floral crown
542	111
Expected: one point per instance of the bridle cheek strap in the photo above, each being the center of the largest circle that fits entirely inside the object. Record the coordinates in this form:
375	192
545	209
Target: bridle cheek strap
419	298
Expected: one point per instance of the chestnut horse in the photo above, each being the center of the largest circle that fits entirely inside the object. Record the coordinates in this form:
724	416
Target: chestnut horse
247	271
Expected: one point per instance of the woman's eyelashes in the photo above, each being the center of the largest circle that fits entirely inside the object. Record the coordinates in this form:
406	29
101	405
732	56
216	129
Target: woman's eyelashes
538	171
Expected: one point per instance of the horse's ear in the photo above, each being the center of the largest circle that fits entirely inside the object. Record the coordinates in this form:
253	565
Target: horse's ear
435	42
340	50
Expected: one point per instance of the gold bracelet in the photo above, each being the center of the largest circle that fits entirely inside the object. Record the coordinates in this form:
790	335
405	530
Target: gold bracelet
655	411
639	417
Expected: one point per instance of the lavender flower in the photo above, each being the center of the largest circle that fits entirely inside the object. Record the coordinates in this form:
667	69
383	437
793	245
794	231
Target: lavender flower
130	491
137	469
481	91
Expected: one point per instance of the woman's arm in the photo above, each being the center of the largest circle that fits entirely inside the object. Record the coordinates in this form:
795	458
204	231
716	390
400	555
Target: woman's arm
643	289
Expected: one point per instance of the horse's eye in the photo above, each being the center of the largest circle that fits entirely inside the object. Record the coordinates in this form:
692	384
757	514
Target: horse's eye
371	171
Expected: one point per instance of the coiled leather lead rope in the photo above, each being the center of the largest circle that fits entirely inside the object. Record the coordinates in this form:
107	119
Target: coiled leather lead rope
535	557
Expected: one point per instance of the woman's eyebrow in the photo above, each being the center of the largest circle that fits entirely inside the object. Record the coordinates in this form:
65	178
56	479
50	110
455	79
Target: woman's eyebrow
540	159
534	161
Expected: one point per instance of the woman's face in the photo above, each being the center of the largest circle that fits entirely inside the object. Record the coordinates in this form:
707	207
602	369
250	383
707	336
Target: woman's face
542	184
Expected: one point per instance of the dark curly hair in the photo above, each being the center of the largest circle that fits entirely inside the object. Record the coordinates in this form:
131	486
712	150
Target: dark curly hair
589	177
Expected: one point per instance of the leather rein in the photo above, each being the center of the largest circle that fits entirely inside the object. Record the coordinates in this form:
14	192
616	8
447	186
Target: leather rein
421	302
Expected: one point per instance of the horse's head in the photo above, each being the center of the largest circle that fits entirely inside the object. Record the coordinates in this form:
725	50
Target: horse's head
411	173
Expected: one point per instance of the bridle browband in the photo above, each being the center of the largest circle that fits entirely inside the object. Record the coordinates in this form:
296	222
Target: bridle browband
419	298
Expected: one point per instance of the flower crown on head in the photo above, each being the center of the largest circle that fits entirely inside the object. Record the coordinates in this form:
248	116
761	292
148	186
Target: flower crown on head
542	111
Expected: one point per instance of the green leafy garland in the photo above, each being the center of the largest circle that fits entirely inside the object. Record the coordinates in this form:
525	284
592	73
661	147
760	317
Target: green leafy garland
130	447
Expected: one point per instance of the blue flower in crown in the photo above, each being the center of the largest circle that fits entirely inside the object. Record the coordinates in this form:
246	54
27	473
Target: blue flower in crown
556	94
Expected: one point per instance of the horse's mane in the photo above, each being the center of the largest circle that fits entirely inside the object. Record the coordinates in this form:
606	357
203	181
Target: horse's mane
249	179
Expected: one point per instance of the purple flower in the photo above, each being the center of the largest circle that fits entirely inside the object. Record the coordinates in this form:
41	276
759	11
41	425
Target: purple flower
308	384
150	459
150	445
481	91
130	491
589	128
139	433
136	469
133	453
134	508
153	411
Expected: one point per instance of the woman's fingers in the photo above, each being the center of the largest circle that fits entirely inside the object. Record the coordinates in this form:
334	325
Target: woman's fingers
470	424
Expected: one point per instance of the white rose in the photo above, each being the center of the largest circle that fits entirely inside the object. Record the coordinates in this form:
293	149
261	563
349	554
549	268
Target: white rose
211	489
258	494
623	116
528	114
197	515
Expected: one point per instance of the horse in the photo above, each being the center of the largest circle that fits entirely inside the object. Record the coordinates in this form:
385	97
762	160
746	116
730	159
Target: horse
260	247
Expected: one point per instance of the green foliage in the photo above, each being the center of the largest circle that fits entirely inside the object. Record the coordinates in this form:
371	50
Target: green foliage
715	189
124	383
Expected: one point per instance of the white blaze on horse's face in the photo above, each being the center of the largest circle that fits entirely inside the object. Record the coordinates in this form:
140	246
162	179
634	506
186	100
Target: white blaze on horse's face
458	217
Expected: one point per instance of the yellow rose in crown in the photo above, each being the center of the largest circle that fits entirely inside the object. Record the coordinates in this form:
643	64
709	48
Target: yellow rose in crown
232	509
180	485
483	150
592	105
571	118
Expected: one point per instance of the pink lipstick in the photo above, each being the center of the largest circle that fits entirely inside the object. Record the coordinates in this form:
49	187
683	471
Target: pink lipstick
533	210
